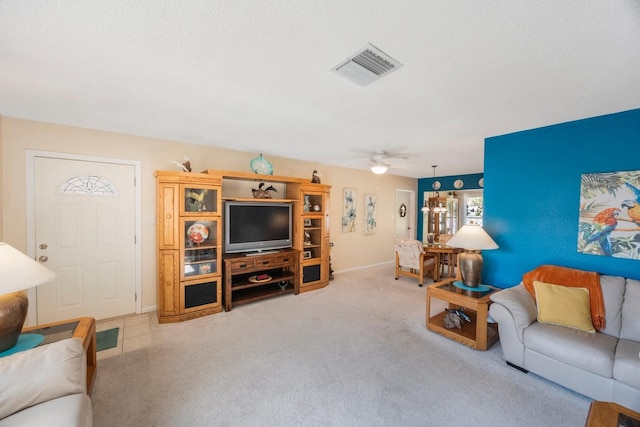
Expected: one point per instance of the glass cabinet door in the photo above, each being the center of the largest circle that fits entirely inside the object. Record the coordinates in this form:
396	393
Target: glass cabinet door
199	200
199	242
452	216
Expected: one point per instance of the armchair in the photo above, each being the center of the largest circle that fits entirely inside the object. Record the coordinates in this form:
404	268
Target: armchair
413	261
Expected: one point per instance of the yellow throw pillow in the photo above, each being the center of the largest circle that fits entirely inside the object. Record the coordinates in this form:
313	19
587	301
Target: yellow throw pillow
564	306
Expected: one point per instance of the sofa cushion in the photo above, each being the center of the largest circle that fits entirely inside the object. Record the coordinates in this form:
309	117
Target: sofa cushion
41	374
626	366
613	293
630	319
571	277
67	411
519	303
564	306
590	352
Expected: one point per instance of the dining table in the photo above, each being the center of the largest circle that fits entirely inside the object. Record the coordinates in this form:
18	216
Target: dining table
446	258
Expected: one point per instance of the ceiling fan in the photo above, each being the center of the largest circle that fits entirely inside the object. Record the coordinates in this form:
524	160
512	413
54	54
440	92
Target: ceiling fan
382	160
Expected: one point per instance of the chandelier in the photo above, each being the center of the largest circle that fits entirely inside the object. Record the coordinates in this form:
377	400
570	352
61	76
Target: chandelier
435	185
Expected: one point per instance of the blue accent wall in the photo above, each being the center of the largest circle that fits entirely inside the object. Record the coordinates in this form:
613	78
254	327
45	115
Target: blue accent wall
471	182
532	193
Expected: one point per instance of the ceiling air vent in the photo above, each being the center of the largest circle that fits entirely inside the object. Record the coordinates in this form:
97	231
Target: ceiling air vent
367	65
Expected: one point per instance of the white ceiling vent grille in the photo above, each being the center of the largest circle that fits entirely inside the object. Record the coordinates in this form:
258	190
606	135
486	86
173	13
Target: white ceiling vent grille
367	65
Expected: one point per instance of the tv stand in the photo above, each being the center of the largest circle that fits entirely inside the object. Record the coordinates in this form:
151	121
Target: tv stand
275	251
240	285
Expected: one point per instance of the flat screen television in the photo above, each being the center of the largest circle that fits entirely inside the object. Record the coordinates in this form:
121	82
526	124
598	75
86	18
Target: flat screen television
255	226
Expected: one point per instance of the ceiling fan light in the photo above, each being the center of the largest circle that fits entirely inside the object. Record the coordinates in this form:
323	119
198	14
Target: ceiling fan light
379	169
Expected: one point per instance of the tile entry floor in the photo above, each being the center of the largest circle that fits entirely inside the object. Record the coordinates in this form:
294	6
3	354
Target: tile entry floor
134	333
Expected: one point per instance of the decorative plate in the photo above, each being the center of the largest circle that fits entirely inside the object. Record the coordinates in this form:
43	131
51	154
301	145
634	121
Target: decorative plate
458	183
436	185
254	279
481	182
261	166
198	233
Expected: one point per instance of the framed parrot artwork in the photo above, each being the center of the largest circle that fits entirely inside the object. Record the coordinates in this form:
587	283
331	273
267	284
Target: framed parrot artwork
609	223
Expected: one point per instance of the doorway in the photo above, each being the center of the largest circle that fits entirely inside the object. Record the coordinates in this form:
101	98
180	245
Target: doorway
405	215
83	221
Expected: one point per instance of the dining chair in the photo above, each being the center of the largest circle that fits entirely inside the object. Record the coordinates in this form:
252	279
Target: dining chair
413	261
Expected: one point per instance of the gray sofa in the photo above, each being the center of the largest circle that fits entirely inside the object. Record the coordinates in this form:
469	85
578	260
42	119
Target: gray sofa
603	366
45	386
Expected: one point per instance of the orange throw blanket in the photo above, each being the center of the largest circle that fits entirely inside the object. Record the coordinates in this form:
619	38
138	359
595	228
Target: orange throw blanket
574	278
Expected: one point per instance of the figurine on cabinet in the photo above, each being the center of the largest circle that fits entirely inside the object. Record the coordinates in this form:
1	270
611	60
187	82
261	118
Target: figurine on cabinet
185	166
263	193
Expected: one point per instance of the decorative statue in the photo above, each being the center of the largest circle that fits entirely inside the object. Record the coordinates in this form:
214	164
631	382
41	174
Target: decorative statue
185	166
454	317
315	178
261	193
451	320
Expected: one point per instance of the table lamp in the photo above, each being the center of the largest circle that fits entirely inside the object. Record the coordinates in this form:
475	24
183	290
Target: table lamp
17	273
471	238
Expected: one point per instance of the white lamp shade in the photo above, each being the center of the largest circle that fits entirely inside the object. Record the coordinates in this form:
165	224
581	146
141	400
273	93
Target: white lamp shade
472	237
379	169
19	272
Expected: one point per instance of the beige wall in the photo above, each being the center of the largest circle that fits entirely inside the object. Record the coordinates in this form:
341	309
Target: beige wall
351	250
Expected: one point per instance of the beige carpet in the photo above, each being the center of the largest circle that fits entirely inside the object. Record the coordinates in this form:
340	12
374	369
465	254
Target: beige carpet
353	354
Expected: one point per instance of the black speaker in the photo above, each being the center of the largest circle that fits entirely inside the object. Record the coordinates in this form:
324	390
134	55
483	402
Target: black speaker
311	273
200	294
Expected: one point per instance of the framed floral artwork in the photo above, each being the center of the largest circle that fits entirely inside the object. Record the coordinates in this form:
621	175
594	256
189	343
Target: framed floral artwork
370	224
349	197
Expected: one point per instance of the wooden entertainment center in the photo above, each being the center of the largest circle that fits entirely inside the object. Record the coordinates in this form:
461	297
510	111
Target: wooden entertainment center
191	263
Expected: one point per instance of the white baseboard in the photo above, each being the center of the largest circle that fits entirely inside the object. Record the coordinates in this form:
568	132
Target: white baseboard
362	267
149	309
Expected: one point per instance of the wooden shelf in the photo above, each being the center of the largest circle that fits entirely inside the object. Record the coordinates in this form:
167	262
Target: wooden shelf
466	335
244	296
244	283
199	248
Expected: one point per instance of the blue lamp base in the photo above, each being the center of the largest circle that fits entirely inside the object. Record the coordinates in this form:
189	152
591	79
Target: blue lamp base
25	342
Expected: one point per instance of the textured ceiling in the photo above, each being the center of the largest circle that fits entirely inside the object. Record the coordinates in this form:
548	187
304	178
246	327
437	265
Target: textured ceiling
255	75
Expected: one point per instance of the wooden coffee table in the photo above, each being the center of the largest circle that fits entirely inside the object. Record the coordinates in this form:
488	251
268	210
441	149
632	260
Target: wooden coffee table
83	328
605	414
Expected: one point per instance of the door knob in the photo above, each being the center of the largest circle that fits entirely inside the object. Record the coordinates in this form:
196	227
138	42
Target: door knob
43	258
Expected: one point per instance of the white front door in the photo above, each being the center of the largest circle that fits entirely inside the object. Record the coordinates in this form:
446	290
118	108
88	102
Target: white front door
85	232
